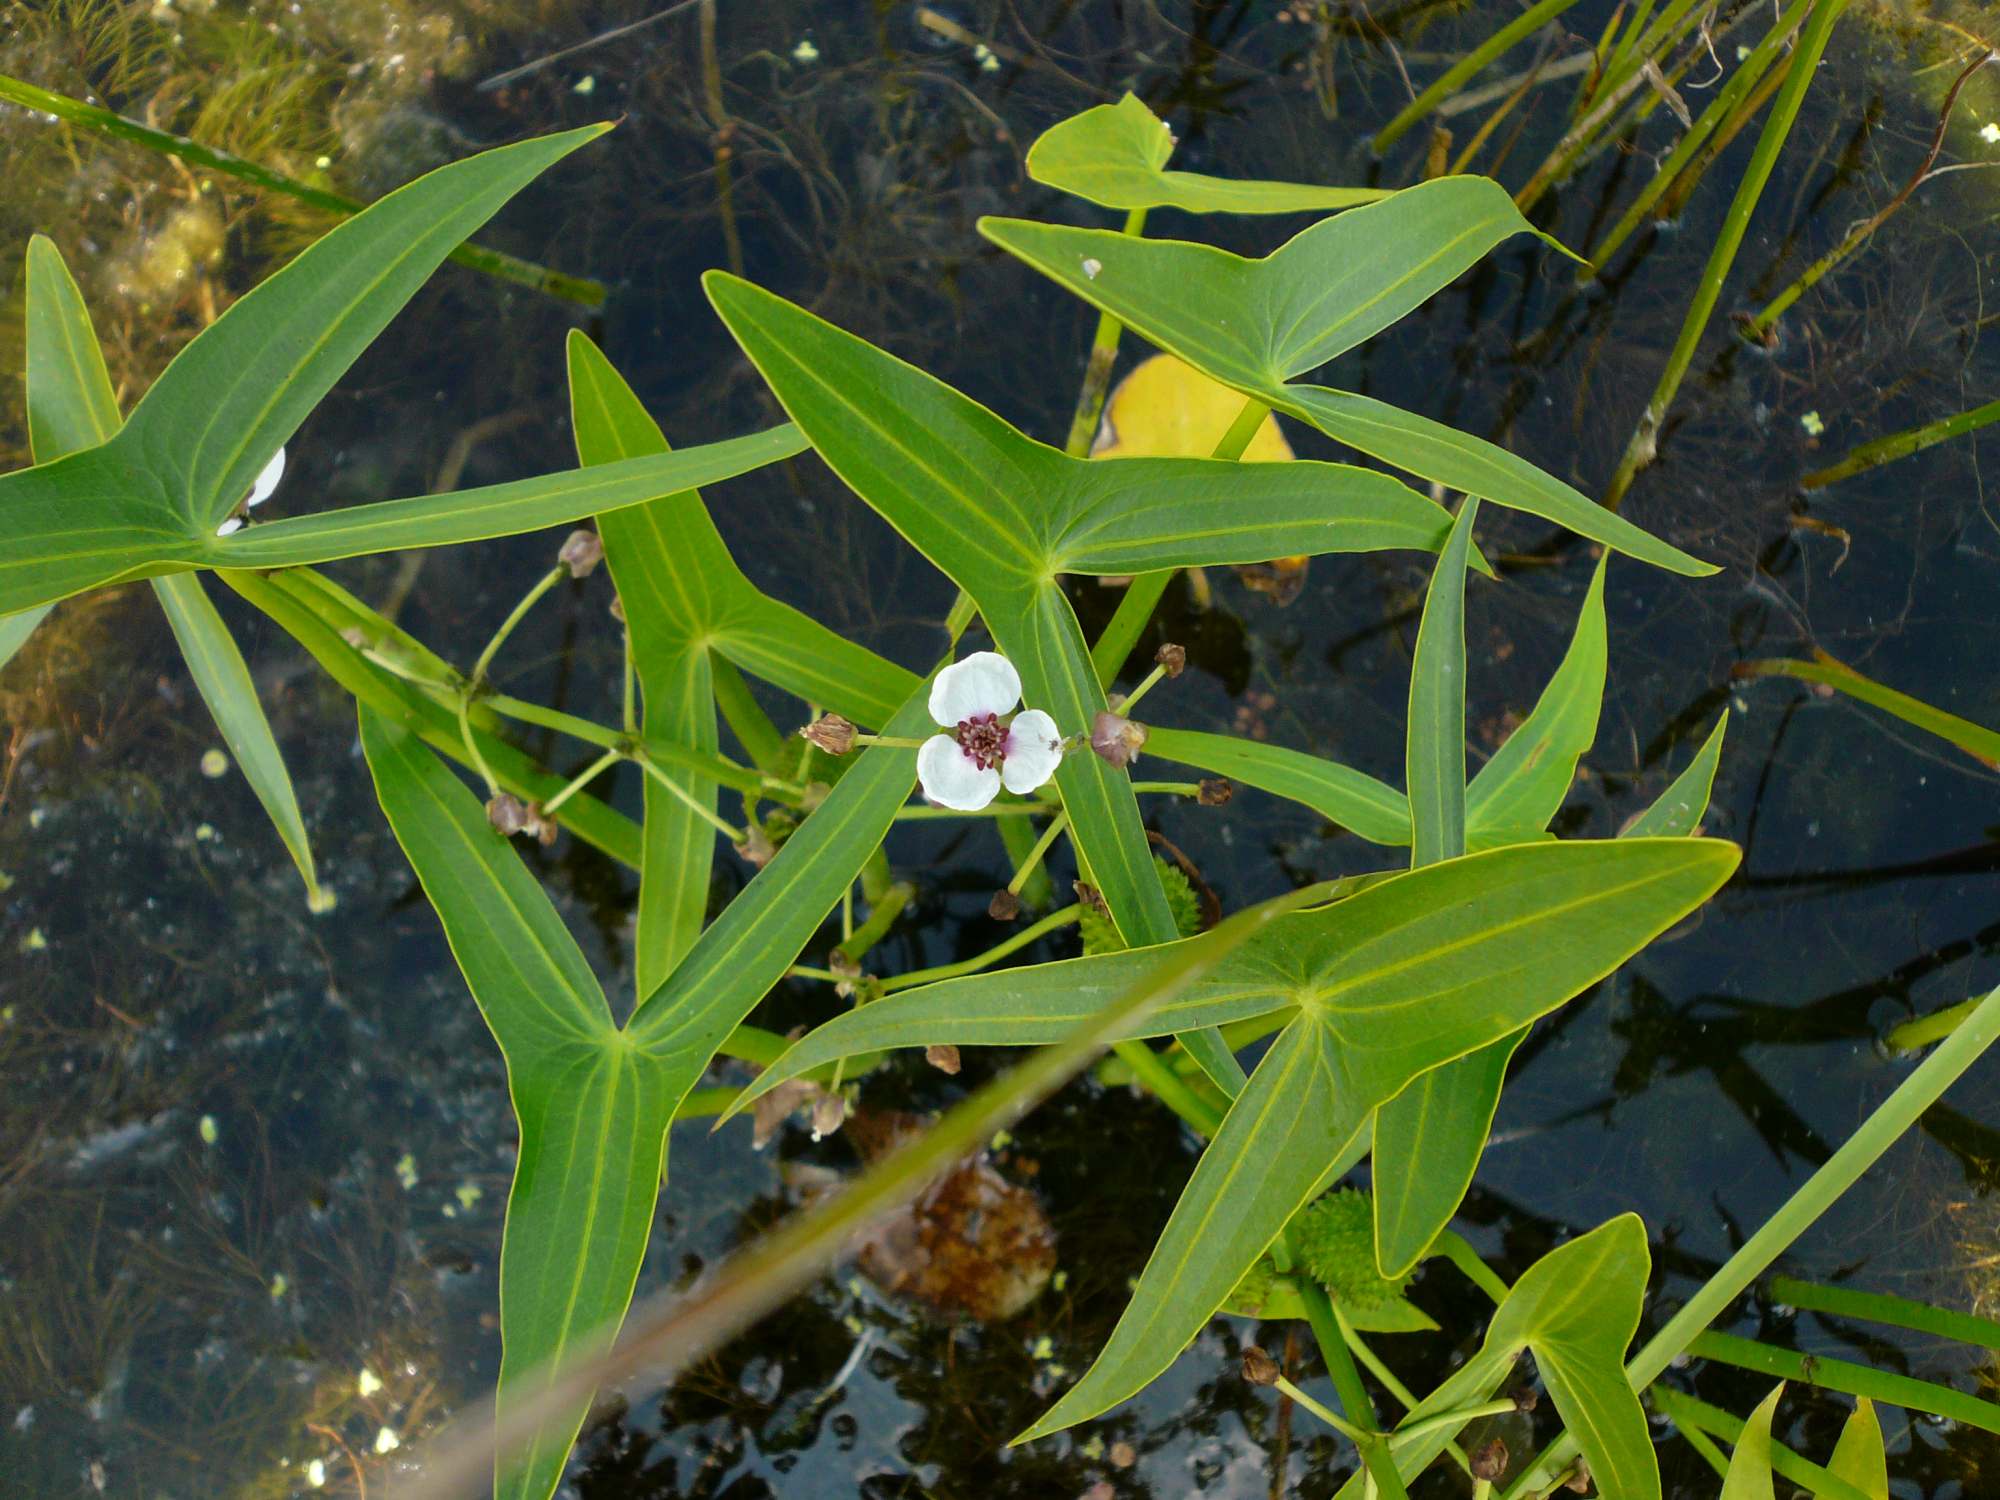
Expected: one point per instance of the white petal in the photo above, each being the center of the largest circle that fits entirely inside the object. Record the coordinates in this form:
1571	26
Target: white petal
1034	750
229	526
984	683
268	480
950	779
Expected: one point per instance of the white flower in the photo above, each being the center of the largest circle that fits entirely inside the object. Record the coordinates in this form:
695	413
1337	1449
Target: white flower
260	491
965	767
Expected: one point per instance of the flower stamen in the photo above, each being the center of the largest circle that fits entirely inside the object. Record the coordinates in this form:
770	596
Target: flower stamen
983	739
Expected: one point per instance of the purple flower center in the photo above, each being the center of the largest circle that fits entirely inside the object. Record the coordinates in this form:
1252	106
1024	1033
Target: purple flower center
983	739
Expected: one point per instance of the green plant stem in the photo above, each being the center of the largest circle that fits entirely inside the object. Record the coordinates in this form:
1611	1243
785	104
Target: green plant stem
1897	445
1032	860
583	779
547	581
1449	82
1388	1380
1143	593
1848	1378
1339	1358
882	913
1644	443
1711	1455
1465	1416
688	800
1339	1424
1152	1072
1921	1031
472	751
1454	1247
628	701
1145	686
1976	740
1896	1114
745	716
578	289
1097	373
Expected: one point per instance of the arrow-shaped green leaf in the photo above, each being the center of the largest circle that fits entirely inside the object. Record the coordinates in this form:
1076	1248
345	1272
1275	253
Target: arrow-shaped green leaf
1116	155
1323	292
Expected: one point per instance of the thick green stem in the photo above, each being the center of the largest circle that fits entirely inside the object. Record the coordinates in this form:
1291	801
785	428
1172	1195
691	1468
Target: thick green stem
1339	1358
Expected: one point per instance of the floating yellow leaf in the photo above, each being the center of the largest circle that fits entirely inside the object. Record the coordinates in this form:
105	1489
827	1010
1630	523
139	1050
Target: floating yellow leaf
1168	409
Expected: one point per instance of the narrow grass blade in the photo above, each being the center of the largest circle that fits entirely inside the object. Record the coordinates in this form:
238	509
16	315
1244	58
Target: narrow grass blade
1976	740
1897	445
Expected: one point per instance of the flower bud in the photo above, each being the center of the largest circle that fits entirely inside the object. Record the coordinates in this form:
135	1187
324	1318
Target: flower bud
1172	657
1579	1481
944	1057
831	733
1215	791
508	814
1489	1461
1117	740
1525	1398
757	848
581	553
1258	1367
1004	907
829	1114
543	825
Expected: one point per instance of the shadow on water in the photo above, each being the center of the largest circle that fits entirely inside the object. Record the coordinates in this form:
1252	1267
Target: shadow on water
252	1163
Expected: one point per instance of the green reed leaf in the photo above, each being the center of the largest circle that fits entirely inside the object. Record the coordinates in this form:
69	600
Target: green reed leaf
593	1116
1434	755
1858	1455
1354	800
1976	740
1681	807
1523	786
1320	294
1749	1476
1116	155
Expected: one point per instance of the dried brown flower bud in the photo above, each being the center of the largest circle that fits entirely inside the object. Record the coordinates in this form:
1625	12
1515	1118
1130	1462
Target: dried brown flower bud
1004	907
581	553
1172	657
943	1056
757	848
1215	791
843	963
1118	740
1525	1397
829	1114
1258	1367
508	814
543	825
1579	1481
1122	1455
831	733
1489	1461
1093	898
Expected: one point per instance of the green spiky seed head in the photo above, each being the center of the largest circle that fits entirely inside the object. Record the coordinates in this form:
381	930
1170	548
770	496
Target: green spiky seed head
1335	1241
1100	937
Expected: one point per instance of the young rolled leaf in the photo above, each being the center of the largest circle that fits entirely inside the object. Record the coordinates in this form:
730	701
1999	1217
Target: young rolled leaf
1749	1476
593	1116
1575	1310
1523	786
1434	753
1681	807
1116	155
71	407
1368	808
1323	292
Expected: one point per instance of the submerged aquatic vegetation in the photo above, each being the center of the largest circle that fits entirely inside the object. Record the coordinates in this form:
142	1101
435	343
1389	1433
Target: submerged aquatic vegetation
1391	1004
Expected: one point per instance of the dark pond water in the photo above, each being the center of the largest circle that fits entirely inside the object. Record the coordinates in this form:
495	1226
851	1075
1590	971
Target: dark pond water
182	1316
